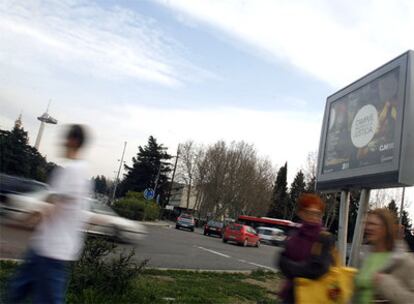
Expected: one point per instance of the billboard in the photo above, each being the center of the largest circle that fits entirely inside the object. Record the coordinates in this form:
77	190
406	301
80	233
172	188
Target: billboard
366	130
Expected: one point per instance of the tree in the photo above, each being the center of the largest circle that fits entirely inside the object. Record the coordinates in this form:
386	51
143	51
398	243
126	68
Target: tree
230	179
406	221
310	171
19	158
392	207
278	206
101	185
149	169
186	168
297	187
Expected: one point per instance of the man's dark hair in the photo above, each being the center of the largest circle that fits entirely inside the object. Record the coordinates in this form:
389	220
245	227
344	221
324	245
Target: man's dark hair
77	133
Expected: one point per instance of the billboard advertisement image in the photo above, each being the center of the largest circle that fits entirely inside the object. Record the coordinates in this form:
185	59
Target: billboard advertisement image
367	138
362	125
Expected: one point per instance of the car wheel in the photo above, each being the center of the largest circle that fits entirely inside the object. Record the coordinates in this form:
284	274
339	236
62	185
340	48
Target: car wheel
192	229
245	243
224	240
176	227
258	244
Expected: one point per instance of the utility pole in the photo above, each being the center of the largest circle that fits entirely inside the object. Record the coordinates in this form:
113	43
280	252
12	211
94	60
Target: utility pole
402	206
119	171
173	175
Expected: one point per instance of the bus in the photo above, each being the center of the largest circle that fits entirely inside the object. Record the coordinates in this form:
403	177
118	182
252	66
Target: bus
255	222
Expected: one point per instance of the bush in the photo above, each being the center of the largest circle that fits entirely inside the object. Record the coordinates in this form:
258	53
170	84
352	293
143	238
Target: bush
135	207
130	208
152	211
97	278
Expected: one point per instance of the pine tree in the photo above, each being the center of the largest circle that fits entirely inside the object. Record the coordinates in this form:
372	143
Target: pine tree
278	206
101	186
150	160
392	207
406	221
296	189
18	158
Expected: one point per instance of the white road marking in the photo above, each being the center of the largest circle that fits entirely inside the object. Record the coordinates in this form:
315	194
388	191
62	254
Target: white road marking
239	260
215	252
261	266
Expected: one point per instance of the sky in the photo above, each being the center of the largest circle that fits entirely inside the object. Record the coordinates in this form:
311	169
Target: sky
258	71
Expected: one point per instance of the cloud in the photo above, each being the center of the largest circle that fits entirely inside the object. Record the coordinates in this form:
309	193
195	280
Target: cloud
337	42
85	38
278	135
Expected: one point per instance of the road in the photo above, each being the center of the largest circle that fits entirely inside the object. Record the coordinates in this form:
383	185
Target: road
166	247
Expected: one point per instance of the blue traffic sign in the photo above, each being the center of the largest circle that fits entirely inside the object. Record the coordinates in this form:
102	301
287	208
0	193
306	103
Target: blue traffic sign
149	194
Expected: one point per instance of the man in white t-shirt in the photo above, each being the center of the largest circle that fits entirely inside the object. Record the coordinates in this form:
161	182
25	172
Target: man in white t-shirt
57	239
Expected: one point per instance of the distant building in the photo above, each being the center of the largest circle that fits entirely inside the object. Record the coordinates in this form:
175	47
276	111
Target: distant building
178	198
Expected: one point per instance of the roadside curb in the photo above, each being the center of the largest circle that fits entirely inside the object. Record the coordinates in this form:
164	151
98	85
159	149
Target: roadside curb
19	261
203	270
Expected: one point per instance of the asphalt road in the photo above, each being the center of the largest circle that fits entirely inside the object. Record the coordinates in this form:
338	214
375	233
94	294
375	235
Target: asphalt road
166	247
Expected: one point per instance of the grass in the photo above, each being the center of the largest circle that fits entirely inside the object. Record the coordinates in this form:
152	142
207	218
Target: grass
177	286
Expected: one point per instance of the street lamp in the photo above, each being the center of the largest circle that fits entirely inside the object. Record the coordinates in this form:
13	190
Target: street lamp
121	161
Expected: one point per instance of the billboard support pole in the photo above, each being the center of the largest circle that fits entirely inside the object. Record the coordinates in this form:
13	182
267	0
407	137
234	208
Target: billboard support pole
343	225
359	227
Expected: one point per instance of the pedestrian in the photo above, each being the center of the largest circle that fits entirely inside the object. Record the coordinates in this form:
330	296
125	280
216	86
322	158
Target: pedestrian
308	251
386	273
57	239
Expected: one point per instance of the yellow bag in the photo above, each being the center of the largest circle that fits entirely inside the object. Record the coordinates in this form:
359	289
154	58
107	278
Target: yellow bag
336	286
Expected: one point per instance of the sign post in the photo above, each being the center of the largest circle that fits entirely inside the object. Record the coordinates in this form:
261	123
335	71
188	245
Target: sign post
343	225
359	227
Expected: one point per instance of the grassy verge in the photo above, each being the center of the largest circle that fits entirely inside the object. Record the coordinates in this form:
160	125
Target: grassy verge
168	286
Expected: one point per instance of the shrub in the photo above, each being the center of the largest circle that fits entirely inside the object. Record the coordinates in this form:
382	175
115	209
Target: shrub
135	207
152	211
130	208
96	276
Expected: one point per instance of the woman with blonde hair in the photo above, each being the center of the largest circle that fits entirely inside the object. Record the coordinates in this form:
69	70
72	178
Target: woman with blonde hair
387	272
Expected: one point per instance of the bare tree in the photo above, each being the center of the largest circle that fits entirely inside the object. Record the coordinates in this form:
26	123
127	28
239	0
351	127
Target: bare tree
232	180
186	167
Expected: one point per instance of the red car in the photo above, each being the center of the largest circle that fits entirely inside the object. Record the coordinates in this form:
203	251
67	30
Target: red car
242	235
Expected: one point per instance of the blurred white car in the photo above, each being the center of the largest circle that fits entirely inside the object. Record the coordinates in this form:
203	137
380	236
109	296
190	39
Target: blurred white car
102	220
273	236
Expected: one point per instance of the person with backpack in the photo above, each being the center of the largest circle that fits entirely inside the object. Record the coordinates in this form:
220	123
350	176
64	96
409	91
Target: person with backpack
308	251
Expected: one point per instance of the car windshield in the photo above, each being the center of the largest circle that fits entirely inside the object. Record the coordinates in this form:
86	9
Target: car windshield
265	231
215	224
14	184
236	227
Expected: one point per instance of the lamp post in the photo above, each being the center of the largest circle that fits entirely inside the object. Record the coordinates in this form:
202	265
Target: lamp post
121	161
402	206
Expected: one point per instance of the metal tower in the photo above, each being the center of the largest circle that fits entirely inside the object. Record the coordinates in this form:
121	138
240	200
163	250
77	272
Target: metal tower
44	119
